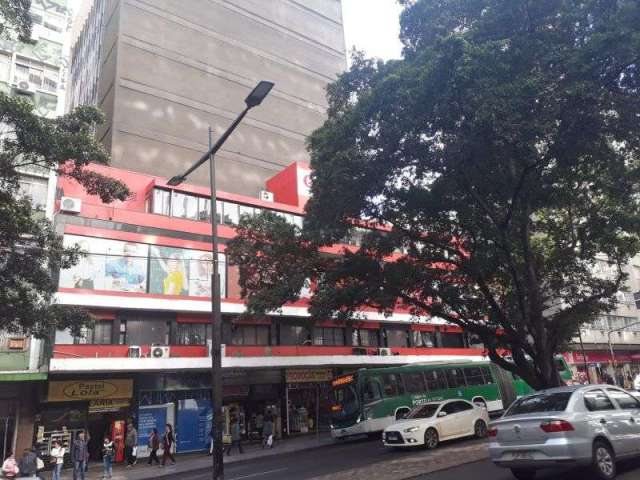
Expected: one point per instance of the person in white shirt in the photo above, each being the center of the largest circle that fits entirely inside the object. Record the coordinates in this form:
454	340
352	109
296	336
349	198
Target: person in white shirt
57	458
636	383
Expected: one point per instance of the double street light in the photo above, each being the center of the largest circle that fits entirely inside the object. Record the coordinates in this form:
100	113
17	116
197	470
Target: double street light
254	99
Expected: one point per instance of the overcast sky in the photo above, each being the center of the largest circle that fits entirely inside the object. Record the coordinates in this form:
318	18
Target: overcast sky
372	26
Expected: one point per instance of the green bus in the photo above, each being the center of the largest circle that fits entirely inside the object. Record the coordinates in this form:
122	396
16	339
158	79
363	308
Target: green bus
371	399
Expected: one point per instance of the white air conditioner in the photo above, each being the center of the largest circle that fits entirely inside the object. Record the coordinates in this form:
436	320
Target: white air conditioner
160	351
266	196
134	351
70	205
384	351
25	86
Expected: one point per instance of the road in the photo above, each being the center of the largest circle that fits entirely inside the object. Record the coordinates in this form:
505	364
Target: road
346	457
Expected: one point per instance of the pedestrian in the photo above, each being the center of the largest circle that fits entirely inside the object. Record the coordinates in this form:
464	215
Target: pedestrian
267	431
131	445
10	467
57	459
260	423
107	458
79	455
211	440
28	464
236	439
167	444
154	445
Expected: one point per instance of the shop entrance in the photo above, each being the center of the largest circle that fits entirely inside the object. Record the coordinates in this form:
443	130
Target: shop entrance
7	429
307	400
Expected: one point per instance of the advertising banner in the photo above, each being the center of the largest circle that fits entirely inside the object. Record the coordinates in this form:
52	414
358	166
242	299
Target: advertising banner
150	417
194	425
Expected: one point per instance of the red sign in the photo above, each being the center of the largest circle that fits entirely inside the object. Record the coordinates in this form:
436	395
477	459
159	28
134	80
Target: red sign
600	357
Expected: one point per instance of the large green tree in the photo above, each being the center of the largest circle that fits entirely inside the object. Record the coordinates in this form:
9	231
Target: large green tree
501	152
30	251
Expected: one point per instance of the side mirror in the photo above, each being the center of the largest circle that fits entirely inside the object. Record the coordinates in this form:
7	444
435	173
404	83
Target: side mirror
442	414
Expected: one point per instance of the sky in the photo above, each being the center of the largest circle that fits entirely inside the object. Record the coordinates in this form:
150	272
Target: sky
372	26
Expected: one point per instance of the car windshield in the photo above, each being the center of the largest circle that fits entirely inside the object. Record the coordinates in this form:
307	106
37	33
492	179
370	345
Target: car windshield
542	402
424	411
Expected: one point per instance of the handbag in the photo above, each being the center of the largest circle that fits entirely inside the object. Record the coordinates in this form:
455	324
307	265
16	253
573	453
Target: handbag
134	451
270	440
39	464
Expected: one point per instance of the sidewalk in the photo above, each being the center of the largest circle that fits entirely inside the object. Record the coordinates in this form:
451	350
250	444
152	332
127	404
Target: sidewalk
196	461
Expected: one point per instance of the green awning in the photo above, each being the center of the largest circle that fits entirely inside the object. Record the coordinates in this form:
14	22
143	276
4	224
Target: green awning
22	377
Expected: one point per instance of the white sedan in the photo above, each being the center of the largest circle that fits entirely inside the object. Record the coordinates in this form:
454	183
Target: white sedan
430	423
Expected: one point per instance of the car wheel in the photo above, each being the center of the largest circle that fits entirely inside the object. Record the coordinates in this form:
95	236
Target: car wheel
431	439
480	429
523	473
604	461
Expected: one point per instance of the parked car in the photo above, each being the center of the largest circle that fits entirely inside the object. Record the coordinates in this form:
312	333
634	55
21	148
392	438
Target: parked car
433	422
588	425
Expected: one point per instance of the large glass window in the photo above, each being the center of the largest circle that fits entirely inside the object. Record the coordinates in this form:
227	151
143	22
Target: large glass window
414	382
161	203
453	340
250	335
436	380
365	337
99	334
396	336
294	335
230	213
371	391
204	209
473	375
455	378
423	339
35	188
328	336
391	385
190	334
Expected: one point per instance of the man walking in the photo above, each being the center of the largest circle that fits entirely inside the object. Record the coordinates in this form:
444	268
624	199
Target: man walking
131	445
236	438
79	455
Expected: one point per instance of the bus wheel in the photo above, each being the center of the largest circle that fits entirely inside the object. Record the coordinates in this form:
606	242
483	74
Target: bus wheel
431	439
480	429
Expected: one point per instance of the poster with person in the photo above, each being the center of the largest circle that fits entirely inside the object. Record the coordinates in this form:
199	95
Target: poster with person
169	271
200	270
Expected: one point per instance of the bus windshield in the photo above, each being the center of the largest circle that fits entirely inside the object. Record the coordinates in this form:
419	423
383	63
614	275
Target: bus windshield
345	401
424	411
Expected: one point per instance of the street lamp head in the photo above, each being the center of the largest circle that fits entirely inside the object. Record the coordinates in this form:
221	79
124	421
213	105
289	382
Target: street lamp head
177	180
258	94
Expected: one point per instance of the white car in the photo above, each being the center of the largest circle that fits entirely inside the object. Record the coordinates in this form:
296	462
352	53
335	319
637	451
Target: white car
433	422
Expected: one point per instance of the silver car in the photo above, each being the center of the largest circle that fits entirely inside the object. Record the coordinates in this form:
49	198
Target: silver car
592	425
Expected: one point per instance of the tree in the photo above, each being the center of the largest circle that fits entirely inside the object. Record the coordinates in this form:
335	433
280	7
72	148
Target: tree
30	250
501	154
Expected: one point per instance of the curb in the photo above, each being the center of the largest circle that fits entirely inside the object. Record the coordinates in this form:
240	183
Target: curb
444	469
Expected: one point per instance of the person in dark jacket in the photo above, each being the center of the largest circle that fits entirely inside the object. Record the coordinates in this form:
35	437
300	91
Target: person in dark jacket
28	463
167	444
154	445
236	436
79	456
131	445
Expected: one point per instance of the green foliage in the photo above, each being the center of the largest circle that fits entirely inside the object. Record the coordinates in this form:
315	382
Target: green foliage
31	250
502	152
14	18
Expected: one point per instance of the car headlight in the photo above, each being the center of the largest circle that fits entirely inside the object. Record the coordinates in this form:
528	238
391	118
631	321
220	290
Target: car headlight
411	429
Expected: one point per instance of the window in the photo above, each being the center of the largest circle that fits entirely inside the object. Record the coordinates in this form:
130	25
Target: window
204	209
328	336
423	339
461	406
294	335
161	203
396	337
190	334
371	391
453	340
450	408
542	402
364	337
246	210
488	377
455	378
623	399
597	400
35	188
414	383
436	380
250	335
99	334
391	385
231	216
184	206
473	376
122	334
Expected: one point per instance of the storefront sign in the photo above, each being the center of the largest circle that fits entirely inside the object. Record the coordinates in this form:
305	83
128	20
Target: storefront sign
89	390
108	405
316	375
342	381
600	357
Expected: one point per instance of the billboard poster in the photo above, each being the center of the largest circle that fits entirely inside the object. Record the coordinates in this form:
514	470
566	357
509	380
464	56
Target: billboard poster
150	417
107	265
194	424
200	269
169	271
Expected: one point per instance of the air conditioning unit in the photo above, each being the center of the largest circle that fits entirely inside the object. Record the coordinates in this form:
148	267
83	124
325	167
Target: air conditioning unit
70	205
25	86
266	196
160	352
134	351
384	351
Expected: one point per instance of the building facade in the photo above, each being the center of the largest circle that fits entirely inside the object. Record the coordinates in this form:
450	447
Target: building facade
146	278
163	71
33	71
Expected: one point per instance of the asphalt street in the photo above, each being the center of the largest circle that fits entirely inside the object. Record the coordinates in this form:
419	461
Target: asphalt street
364	453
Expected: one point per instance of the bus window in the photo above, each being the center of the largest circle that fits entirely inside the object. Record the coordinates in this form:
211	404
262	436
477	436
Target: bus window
413	382
488	377
371	391
391	385
455	378
473	376
435	380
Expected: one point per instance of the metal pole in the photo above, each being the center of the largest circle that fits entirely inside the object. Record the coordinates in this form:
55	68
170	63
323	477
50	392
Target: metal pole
216	330
584	356
318	414
286	399
613	357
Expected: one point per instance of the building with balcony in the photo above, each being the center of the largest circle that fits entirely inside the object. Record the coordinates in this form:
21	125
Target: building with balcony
146	279
33	71
617	332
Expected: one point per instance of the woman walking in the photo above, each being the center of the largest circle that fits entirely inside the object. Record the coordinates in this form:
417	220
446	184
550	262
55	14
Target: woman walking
107	458
167	444
57	459
154	445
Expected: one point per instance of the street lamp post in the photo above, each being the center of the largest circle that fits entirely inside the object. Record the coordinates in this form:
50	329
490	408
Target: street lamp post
254	99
